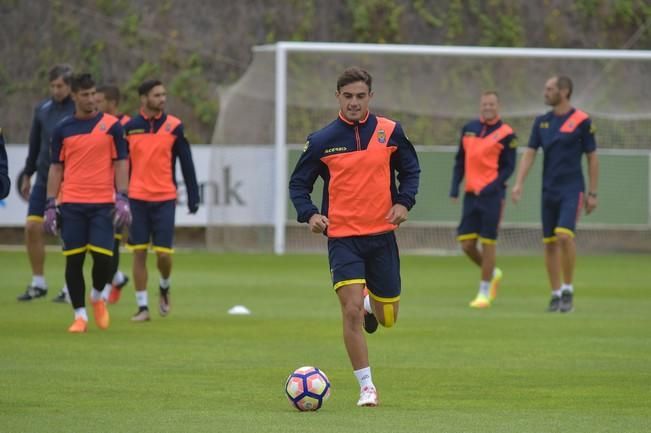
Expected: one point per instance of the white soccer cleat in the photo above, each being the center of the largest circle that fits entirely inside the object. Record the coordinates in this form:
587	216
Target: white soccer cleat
368	397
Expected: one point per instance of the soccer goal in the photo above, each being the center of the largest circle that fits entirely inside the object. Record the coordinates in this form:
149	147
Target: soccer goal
288	92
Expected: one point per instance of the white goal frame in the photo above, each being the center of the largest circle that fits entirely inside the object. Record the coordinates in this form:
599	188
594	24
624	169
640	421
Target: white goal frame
282	49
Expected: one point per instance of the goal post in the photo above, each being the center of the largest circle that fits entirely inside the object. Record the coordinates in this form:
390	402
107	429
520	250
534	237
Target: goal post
433	90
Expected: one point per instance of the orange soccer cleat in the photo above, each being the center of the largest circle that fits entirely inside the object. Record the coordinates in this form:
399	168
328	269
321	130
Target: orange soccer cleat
78	326
102	318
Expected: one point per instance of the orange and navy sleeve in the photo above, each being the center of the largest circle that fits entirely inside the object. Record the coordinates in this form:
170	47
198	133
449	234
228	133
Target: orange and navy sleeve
588	142
301	183
181	149
459	169
120	142
405	162
505	163
56	145
534	139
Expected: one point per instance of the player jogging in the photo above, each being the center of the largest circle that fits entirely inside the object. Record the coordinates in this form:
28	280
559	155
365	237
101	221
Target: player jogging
357	156
156	140
88	163
5	182
107	98
486	158
565	133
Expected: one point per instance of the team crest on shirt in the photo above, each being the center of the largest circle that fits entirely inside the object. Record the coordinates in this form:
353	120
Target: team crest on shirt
168	127
381	136
102	127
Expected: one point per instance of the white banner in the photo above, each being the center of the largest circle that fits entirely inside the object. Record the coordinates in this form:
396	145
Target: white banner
240	187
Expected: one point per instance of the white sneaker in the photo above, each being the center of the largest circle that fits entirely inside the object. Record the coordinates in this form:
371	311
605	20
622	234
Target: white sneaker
368	397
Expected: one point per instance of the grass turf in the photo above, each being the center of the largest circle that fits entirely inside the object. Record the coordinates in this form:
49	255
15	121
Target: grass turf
443	368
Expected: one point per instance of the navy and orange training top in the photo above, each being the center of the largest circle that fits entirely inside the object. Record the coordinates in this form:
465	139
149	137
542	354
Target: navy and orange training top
154	145
486	157
564	139
87	149
358	162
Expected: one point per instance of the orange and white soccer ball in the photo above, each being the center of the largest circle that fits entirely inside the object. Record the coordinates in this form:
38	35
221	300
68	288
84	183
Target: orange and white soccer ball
307	388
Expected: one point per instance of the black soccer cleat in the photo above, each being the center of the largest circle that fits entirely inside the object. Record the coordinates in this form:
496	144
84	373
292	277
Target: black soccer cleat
567	302
61	298
32	292
554	304
370	322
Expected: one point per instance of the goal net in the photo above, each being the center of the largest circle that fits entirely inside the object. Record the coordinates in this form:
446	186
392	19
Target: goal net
288	92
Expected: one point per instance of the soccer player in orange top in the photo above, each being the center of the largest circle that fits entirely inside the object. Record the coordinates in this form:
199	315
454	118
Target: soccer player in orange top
107	99
486	158
358	156
564	133
88	164
156	140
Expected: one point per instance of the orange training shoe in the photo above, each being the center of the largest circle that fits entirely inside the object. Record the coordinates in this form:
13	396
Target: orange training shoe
116	291
78	326
102	319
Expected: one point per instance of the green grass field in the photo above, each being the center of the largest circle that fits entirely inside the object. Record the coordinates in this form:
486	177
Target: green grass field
443	368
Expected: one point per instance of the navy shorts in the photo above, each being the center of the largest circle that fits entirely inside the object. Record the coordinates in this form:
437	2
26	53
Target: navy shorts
560	213
37	198
87	227
372	260
481	217
153	223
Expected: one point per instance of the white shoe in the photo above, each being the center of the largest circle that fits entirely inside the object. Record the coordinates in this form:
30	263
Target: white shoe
368	397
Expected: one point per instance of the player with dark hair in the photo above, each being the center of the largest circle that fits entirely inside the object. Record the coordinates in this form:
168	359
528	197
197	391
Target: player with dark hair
89	161
358	156
156	140
107	98
5	182
46	115
565	133
486	158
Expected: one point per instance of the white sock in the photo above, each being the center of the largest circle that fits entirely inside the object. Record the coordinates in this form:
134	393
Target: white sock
39	281
567	288
484	287
556	293
367	304
363	376
95	295
141	298
64	289
118	278
165	282
107	291
81	313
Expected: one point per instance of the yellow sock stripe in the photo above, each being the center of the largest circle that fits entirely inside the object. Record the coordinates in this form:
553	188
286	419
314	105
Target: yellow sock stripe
558	230
118	237
549	240
349	282
487	241
37	218
74	251
383	300
388	315
137	247
163	249
100	250
467	236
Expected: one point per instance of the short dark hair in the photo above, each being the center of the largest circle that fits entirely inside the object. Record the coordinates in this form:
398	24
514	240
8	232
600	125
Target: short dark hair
147	85
110	91
354	74
490	92
61	71
82	81
564	82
